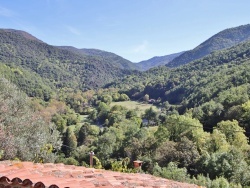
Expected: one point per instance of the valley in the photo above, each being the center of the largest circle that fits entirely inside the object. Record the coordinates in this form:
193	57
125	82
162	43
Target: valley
185	115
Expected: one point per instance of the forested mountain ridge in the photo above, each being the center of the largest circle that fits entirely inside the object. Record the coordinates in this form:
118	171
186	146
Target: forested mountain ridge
22	33
195	83
62	68
224	39
157	61
117	60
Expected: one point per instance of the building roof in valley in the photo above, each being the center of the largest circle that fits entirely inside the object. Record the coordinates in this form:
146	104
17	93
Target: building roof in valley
28	174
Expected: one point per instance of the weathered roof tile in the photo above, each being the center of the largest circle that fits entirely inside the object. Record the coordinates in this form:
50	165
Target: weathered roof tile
60	175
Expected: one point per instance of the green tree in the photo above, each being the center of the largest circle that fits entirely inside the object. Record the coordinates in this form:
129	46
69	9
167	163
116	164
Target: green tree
60	122
103	110
124	97
234	134
231	165
142	143
161	135
217	142
181	125
70	142
116	97
88	134
24	134
212	113
106	99
151	116
184	153
130	114
171	172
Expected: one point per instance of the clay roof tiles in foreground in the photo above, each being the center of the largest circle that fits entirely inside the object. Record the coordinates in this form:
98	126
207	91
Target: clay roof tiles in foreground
28	174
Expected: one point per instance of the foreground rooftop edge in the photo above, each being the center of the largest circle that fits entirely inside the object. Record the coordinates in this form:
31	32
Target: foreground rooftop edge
37	175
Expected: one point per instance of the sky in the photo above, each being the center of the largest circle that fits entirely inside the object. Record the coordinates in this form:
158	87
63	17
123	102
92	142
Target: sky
134	29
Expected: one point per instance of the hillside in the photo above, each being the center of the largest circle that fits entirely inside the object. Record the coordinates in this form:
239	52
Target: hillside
59	67
157	61
116	60
224	39
23	34
196	83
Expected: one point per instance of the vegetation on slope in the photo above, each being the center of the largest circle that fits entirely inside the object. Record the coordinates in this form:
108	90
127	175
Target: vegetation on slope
211	87
30	82
224	39
195	83
24	134
62	68
117	61
171	145
157	61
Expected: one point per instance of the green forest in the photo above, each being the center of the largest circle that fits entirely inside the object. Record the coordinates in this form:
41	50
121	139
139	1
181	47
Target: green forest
190	123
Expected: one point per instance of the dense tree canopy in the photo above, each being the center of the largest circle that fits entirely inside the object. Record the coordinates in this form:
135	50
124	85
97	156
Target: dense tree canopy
24	133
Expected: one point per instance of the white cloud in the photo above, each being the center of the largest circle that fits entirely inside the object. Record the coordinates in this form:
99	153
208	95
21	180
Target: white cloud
73	30
141	47
6	12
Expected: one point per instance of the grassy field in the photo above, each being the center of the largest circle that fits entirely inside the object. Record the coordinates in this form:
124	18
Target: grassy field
140	107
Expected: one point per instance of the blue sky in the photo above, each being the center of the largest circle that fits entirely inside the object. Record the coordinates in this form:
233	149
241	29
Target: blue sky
134	29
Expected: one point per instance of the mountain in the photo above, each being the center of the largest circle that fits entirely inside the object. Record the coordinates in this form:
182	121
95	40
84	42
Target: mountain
23	34
157	61
36	62
216	76
224	39
117	60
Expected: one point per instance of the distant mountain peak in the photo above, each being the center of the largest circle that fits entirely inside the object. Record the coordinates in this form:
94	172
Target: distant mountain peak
157	61
22	33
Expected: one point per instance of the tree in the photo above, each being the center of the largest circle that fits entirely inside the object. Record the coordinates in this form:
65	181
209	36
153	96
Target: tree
184	153
103	110
60	122
161	135
106	99
124	97
107	144
115	97
234	134
115	117
166	153
130	114
143	143
24	134
151	116
187	153
146	97
231	165
181	125
217	142
88	134
212	113
70	142
171	172
245	116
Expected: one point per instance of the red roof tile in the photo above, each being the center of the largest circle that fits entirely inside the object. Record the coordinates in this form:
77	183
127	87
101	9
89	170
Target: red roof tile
49	175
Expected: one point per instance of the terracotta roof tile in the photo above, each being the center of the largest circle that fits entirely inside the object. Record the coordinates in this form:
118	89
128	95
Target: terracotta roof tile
60	175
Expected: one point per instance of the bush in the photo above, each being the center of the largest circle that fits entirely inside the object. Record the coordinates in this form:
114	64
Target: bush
171	172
